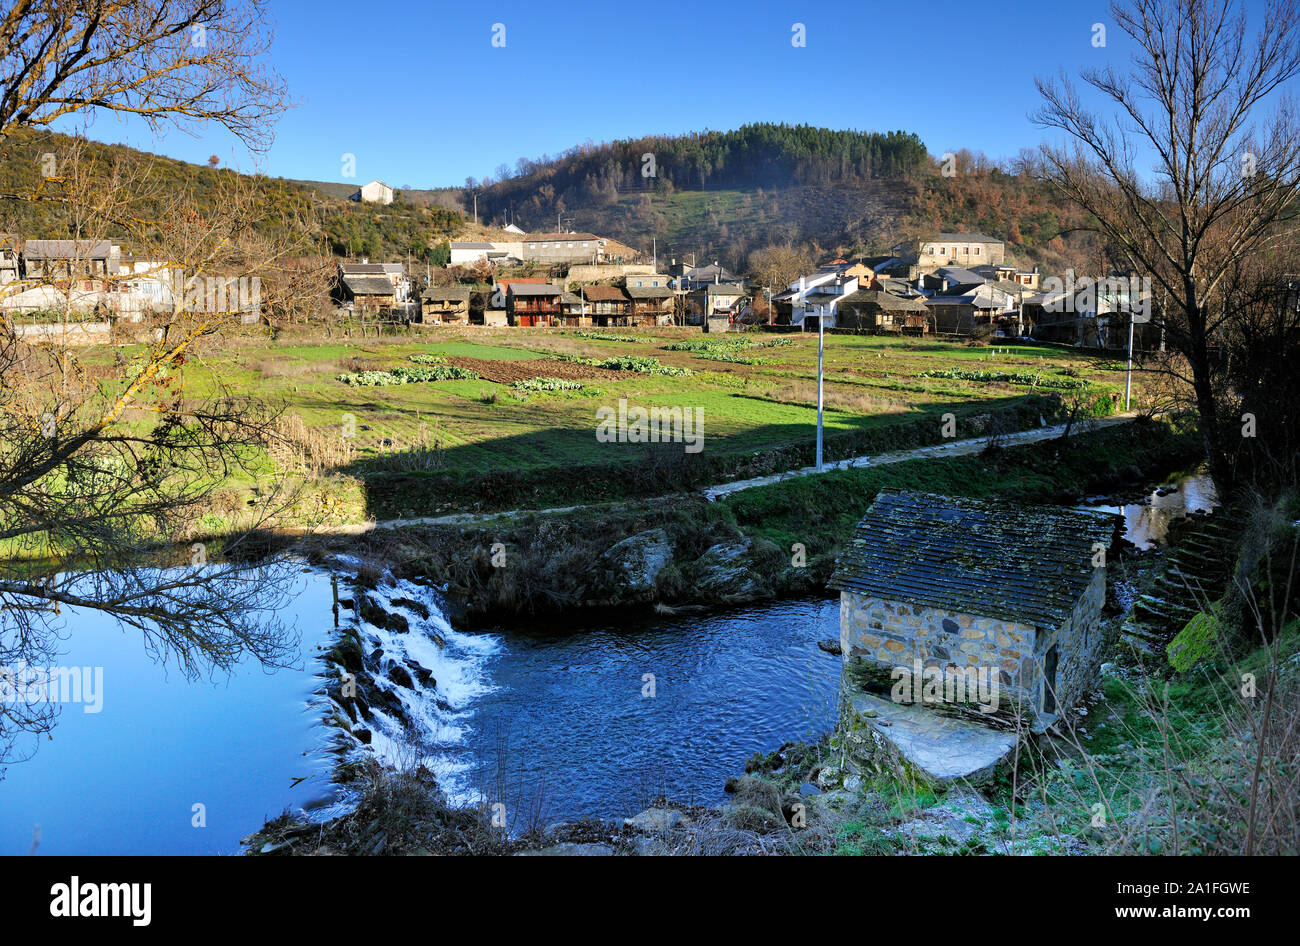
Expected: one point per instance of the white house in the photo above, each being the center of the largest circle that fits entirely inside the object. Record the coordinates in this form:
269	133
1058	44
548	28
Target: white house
376	192
467	252
817	297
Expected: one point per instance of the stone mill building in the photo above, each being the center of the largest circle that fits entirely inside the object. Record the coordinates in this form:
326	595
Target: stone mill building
962	583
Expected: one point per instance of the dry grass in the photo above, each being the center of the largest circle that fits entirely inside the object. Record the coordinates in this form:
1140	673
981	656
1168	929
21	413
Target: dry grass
309	451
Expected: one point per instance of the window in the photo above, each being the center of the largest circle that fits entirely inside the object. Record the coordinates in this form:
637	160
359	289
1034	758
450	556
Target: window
977	251
930	250
943	250
964	250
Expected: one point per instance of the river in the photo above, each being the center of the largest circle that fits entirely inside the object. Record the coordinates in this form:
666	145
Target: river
558	722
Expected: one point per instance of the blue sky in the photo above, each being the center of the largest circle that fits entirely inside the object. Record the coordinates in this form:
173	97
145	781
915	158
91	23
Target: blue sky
420	96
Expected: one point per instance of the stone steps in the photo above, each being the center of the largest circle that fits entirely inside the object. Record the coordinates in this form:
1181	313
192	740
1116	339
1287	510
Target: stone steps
1196	570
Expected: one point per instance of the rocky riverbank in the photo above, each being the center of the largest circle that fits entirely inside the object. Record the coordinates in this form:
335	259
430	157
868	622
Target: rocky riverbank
768	542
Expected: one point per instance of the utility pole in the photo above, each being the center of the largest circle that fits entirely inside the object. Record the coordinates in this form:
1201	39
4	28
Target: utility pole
476	209
1128	372
820	336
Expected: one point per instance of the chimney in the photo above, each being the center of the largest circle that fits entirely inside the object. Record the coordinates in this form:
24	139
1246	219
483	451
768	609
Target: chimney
801	284
943	284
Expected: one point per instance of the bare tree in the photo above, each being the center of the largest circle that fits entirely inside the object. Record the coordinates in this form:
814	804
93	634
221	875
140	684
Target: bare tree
106	471
169	62
1203	101
778	265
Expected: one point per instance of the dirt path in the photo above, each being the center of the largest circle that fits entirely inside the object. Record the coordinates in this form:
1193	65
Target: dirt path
955	448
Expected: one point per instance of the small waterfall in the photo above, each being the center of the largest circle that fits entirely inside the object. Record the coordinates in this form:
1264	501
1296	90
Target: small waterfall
415	680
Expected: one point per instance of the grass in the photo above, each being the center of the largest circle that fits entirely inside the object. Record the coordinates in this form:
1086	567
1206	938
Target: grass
758	417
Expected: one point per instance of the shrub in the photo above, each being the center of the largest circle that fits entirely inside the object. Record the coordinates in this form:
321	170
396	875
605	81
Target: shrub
635	363
404	375
546	384
1006	377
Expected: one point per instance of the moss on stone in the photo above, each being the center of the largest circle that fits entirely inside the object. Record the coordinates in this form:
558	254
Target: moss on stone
1198	640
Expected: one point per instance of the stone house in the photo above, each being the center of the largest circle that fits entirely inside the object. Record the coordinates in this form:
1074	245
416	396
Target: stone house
959	249
607	305
715	301
87	262
883	312
651	305
530	304
9	258
440	304
366	292
562	248
975	585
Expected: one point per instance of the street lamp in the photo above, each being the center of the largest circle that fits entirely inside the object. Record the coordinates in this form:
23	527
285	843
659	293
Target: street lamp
1128	372
821	334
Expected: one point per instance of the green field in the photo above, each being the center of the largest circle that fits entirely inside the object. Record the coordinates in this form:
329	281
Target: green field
526	447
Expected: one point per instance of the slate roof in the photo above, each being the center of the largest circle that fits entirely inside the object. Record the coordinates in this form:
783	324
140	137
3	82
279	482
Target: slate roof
534	289
648	292
956	274
560	237
966	238
469	245
886	300
1029	564
364	285
441	293
67	249
362	269
722	289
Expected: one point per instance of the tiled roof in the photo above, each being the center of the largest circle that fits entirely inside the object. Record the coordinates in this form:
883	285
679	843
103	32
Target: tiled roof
967	238
991	559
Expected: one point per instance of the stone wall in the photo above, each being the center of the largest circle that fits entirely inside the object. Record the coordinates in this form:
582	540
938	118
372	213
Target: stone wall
895	634
1078	642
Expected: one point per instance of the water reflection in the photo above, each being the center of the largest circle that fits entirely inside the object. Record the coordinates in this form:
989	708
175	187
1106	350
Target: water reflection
1146	523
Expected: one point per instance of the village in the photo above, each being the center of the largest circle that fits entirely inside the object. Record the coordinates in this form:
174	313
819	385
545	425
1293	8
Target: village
955	284
741	476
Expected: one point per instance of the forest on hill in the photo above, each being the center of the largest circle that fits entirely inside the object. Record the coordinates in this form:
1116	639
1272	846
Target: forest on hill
707	195
333	224
725	194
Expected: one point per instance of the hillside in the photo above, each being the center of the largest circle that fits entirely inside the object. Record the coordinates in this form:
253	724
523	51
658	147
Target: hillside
334	223
725	194
714	195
